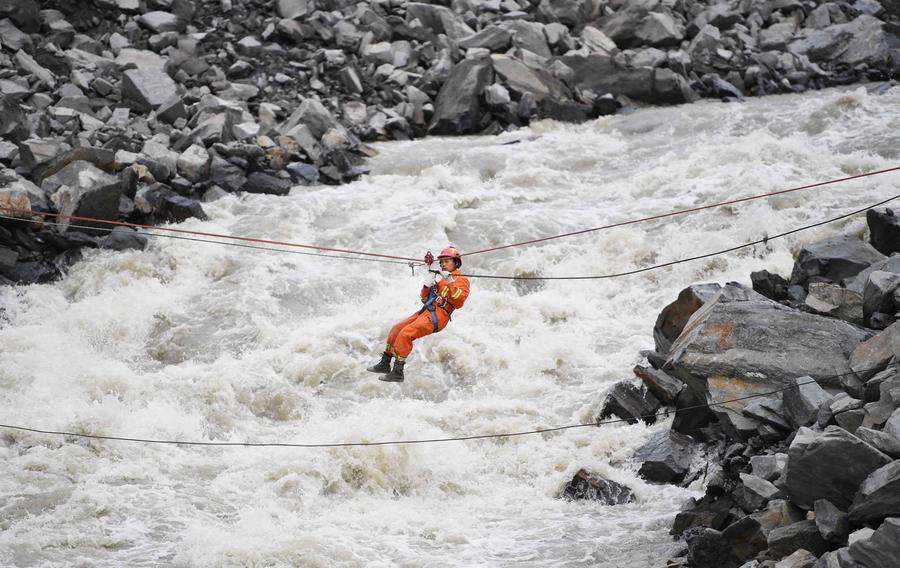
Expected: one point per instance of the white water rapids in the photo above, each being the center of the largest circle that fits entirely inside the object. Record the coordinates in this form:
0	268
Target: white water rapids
195	341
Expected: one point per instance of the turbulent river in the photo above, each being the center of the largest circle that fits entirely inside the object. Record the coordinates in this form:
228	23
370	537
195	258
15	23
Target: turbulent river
196	341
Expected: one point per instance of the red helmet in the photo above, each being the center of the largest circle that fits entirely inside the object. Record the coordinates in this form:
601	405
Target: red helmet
451	252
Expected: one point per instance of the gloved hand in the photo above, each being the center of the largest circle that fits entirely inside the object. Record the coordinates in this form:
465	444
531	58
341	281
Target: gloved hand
428	279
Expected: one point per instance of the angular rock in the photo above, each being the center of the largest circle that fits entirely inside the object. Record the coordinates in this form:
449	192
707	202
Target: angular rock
660	384
528	36
597	42
828	465
292	9
159	22
768	467
193	163
312	114
593	487
879	495
457	109
882	441
24	13
438	19
754	492
833	260
835	301
881	549
82	190
659	30
630	404
799	559
666	457
124	238
878	295
521	79
858	282
803	535
833	523
226	175
874	354
29	65
745	340
884	230
303	174
671	320
492	38
147	89
260	182
801	402
13	37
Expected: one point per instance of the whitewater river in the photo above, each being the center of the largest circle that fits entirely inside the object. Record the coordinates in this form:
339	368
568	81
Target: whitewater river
195	341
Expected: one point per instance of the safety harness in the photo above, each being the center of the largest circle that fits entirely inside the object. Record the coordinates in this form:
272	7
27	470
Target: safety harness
434	301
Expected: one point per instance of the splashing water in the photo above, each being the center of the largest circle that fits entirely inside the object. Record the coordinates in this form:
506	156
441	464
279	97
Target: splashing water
196	341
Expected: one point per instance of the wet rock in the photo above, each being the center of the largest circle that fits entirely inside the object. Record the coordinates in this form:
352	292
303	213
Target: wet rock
226	175
833	260
833	523
161	203
770	285
828	465
629	403
802	401
457	109
738	330
879	495
124	238
884	230
666	457
147	89
82	190
660	384
303	174
671	320
261	182
802	535
881	549
593	487
711	512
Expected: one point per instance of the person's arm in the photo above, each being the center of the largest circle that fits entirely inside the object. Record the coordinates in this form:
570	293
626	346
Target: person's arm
427	283
457	290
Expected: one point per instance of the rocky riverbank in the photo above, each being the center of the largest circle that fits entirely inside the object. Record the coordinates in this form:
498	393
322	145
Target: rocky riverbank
140	110
807	475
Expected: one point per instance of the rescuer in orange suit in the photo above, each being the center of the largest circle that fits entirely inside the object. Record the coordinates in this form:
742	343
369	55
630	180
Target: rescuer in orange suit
443	291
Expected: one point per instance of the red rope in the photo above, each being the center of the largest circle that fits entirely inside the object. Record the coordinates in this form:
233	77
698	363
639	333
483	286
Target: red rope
680	212
523	243
204	234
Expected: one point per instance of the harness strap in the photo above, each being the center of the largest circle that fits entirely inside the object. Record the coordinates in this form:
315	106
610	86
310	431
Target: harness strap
429	305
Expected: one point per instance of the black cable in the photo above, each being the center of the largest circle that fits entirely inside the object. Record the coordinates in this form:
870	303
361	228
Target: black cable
424	440
764	240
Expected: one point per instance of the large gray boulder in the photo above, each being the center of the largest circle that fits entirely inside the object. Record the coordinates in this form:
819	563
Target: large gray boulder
147	89
318	119
833	523
160	22
666	457
858	283
292	9
879	495
833	260
878	295
80	189
24	13
659	30
880	550
458	106
572	13
884	230
742	338
529	36
828	465
492	38
622	26
882	441
662	385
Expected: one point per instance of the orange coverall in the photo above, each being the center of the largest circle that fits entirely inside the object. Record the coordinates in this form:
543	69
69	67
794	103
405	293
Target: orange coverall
450	296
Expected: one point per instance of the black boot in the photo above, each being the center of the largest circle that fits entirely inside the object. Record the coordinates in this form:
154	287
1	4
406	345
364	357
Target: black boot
396	374
383	366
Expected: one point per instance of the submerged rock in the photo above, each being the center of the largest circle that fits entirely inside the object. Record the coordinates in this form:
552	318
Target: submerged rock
593	487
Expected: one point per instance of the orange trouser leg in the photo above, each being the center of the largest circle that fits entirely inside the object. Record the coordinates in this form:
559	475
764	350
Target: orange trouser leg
404	333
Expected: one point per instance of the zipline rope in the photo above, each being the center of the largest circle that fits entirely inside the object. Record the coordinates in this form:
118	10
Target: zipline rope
418	260
498	277
655	415
684	211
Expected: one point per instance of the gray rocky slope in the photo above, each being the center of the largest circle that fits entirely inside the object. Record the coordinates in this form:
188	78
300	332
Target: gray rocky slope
138	110
807	473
